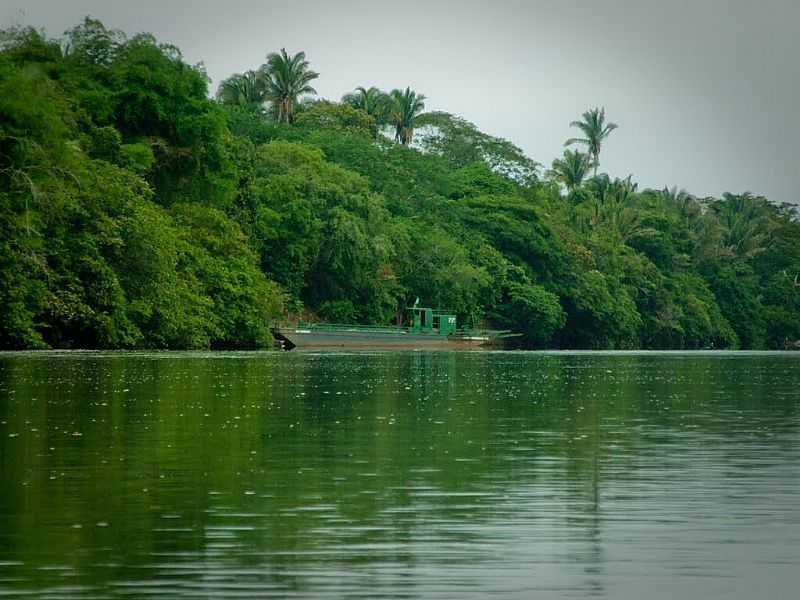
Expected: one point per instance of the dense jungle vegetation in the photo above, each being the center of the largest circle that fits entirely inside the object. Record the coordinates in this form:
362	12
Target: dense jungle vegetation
138	212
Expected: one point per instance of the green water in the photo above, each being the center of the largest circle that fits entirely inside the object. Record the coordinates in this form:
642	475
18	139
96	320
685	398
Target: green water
402	475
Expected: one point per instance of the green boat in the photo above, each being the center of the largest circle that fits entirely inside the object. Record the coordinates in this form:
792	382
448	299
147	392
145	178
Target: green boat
427	328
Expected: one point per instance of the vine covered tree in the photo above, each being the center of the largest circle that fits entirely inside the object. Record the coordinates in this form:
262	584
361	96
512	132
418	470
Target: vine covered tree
595	131
287	78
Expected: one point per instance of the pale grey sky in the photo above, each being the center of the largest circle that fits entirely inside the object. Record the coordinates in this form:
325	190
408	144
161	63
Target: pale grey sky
706	92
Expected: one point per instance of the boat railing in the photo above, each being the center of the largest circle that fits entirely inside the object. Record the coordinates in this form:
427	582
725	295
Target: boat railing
397	329
348	327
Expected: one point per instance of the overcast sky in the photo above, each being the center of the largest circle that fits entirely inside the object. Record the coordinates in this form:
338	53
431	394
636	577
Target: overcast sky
706	92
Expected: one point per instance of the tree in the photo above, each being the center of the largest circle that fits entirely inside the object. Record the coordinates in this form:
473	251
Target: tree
406	108
136	212
596	130
477	179
683	204
246	90
461	143
159	99
534	312
339	117
372	101
91	43
748	222
320	232
287	78
571	170
617	215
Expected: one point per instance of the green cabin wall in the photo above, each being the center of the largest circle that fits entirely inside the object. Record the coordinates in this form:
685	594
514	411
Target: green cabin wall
422	320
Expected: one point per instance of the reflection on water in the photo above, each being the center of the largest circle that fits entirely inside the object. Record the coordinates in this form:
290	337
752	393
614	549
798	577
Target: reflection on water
402	475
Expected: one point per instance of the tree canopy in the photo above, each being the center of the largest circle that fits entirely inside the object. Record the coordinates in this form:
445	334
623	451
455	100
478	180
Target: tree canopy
286	78
138	212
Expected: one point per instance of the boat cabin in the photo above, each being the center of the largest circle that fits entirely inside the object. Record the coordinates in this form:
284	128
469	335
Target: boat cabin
427	320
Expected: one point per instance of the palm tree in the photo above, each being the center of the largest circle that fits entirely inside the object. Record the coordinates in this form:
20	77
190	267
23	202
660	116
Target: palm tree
405	109
372	101
286	79
748	223
596	130
682	204
681	201
242	89
571	170
618	213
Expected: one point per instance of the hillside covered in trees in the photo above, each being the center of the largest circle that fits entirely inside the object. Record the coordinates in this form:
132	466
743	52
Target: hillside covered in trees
138	212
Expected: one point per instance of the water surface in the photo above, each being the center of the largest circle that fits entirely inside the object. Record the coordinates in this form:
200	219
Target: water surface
399	475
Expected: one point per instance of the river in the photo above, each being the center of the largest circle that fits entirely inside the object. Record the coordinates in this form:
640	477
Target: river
399	475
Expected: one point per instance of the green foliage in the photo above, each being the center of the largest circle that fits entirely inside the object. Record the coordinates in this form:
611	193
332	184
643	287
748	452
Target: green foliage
245	123
135	212
477	179
88	259
461	143
136	157
595	130
105	143
92	44
405	110
570	171
244	90
243	301
437	267
374	102
159	99
534	312
338	117
602	315
165	303
36	121
286	79
22	295
337	311
409	180
317	223
737	292
515	228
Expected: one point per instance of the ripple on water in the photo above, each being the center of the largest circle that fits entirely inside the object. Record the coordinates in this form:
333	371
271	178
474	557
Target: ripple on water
437	475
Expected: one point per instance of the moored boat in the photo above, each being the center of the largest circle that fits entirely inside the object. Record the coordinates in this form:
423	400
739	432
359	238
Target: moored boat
427	328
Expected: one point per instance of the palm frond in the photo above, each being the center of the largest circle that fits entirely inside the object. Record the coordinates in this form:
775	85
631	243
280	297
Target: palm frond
572	141
288	77
596	130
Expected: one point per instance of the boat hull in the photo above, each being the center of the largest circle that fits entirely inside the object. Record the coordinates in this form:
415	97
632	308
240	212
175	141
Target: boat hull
299	337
